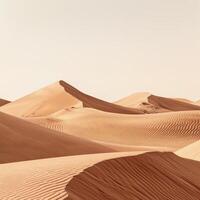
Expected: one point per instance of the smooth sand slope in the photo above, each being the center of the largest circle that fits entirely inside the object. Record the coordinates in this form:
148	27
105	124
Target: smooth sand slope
22	140
109	176
155	104
58	96
148	176
162	131
3	102
191	151
42	102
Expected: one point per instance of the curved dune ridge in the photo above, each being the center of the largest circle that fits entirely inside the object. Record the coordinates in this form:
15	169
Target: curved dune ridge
92	102
111	151
22	140
58	96
172	104
102	176
166	131
148	176
42	102
155	104
3	102
191	151
45	178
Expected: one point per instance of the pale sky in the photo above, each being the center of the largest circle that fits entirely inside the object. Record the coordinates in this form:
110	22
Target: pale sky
107	48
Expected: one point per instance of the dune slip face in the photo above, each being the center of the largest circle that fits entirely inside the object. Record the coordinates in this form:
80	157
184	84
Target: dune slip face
3	102
46	178
156	104
58	96
161	176
59	143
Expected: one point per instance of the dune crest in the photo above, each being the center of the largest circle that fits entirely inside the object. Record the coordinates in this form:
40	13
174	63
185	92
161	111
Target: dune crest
156	104
46	178
3	102
172	104
146	176
58	96
42	102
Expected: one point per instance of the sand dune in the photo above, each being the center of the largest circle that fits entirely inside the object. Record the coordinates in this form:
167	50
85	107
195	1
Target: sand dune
191	151
148	176
106	147
198	102
155	104
166	131
42	102
102	176
45	178
92	102
22	140
3	102
58	96
172	104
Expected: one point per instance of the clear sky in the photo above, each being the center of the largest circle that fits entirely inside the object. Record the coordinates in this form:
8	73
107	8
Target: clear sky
108	48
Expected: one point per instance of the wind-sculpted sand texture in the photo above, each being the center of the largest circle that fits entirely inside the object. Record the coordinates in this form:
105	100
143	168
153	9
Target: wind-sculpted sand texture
45	178
166	131
60	143
22	140
161	176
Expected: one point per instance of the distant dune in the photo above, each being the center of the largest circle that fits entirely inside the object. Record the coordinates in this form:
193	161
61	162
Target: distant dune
155	104
172	104
21	140
57	96
3	102
42	102
162	131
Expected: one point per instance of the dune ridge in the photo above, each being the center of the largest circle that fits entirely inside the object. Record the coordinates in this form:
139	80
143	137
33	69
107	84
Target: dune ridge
22	140
147	176
58	96
3	102
156	104
172	104
42	102
124	175
46	178
92	102
60	143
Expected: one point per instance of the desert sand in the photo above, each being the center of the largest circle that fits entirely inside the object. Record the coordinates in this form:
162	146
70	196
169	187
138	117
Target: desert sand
3	102
22	140
60	143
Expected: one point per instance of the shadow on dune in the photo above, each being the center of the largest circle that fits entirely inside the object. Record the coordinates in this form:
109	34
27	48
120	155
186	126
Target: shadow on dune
160	176
92	102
